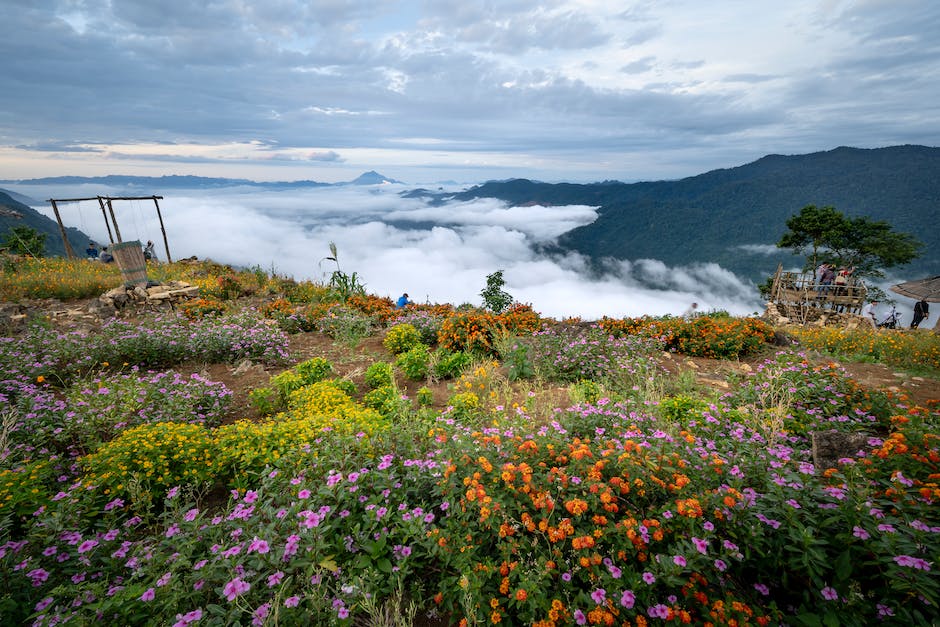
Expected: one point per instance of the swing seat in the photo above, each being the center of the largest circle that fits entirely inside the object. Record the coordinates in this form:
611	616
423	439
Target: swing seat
130	259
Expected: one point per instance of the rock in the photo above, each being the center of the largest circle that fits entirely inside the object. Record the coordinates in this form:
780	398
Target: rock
831	446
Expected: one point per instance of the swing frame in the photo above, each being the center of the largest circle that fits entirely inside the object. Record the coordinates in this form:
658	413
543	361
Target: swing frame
102	201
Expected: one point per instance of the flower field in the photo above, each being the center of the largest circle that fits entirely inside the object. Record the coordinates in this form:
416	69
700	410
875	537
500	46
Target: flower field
569	480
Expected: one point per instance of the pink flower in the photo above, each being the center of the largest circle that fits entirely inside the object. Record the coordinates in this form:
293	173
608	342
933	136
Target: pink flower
579	617
627	599
148	595
43	604
829	593
182	620
87	545
191	515
700	545
303	494
860	533
259	546
678	560
293	601
912	562
649	578
251	496
599	595
235	588
275	579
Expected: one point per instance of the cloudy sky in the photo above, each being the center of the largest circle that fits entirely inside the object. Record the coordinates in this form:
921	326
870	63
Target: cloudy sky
433	90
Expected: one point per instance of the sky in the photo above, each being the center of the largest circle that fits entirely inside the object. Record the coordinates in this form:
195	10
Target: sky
436	90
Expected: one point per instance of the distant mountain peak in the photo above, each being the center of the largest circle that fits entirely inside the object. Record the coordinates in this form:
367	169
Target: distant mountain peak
373	178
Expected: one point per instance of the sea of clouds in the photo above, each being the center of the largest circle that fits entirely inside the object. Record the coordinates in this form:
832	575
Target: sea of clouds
436	254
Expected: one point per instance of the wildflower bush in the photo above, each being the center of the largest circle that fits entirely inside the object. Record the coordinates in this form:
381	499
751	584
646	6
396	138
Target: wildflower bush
202	307
715	336
415	363
427	323
477	331
401	338
55	277
905	350
623	508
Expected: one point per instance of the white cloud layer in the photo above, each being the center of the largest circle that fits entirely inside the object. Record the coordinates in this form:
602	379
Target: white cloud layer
438	254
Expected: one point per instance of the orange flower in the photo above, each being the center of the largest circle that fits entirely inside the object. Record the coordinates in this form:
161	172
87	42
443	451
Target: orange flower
521	595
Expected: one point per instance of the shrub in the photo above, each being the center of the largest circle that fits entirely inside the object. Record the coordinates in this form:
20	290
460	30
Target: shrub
427	323
401	338
345	324
415	363
450	365
202	307
379	374
150	459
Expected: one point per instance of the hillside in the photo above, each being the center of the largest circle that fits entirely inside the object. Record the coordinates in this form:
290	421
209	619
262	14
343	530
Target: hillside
710	217
14	213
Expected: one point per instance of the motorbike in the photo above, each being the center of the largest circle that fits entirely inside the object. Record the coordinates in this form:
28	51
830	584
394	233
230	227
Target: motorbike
891	321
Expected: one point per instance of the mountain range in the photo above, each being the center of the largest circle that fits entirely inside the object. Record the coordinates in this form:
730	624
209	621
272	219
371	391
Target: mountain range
732	217
735	216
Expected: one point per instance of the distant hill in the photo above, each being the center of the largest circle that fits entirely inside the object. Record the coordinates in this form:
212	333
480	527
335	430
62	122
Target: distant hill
724	216
15	213
150	183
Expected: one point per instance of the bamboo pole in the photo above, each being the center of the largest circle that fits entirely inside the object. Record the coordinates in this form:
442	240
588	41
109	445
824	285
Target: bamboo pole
105	216
65	240
162	230
117	230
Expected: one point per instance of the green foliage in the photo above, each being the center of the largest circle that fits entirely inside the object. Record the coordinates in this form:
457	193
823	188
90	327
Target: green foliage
415	363
585	391
379	374
494	297
865	244
450	365
386	400
266	401
346	324
343	285
313	370
24	240
425	396
401	338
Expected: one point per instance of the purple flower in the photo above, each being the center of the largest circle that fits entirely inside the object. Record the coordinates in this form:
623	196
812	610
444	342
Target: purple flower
173	492
293	601
182	620
762	589
858	532
43	604
829	593
275	579
87	545
148	595
566	577
912	562
678	560
303	494
627	599
649	578
579	617
235	588
191	515
700	545
342	612
599	596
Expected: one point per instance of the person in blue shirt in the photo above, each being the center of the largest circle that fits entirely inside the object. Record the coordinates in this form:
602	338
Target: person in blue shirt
92	251
403	300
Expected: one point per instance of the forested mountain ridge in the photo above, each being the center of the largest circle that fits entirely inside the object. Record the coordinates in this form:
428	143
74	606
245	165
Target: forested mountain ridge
710	217
14	213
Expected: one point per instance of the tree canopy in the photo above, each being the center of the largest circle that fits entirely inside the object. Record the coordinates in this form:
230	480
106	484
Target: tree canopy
865	244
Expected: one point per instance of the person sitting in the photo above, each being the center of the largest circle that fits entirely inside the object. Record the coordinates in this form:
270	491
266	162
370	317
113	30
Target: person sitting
105	256
403	301
92	251
689	313
149	252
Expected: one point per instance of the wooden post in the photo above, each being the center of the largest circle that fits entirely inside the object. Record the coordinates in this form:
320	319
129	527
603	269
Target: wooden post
117	231
105	216
65	240
162	230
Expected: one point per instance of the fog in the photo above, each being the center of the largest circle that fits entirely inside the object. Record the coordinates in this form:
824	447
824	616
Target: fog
436	254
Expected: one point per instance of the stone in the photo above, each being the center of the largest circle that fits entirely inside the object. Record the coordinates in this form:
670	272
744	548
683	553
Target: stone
831	446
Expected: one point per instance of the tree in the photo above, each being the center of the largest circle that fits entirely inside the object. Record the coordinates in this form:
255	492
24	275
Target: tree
24	240
865	244
812	227
494	297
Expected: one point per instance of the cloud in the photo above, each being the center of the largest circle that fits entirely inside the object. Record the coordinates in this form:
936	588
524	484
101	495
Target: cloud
439	254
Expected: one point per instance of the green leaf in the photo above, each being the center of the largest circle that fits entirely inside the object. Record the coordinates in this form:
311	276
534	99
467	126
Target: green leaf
843	566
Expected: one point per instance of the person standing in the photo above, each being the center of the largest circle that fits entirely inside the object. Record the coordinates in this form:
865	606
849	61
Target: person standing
689	313
921	312
868	312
